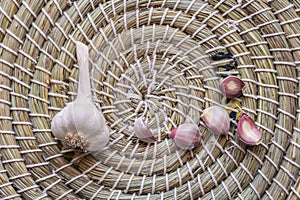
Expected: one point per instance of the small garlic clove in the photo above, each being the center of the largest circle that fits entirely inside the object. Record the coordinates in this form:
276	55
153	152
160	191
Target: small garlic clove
142	131
232	87
248	131
216	120
186	136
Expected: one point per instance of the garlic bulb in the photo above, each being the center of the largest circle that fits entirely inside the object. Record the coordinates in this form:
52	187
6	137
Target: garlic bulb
186	136
142	131
232	87
80	122
247	131
216	120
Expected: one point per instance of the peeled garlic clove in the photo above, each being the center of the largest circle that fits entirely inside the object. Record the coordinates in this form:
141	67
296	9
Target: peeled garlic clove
216	120
142	131
247	131
186	136
232	87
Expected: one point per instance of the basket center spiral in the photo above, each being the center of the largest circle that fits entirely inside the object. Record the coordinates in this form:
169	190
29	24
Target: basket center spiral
152	74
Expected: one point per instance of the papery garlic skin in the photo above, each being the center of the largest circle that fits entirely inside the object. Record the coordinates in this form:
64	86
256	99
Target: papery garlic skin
62	124
81	116
186	136
142	131
232	87
216	120
248	131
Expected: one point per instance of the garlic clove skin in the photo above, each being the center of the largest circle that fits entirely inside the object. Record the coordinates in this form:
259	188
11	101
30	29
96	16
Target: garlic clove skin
142	131
232	87
248	131
61	124
186	136
216	120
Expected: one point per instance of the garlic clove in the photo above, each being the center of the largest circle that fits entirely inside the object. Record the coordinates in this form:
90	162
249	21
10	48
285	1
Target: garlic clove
232	87
186	136
216	120
142	131
248	131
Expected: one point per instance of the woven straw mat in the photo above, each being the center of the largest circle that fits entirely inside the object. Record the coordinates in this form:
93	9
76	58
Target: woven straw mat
162	59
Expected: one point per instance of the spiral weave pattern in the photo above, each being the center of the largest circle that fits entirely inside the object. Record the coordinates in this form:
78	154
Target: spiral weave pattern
162	60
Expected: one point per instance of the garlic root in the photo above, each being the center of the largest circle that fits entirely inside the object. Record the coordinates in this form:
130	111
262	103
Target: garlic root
76	141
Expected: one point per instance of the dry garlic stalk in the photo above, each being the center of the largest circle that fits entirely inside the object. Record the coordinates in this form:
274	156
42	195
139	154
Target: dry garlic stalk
80	124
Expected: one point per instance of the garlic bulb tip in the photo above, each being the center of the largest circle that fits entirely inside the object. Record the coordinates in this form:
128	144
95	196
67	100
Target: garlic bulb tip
173	132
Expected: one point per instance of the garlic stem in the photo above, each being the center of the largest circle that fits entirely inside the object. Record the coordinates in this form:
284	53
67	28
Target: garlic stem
84	85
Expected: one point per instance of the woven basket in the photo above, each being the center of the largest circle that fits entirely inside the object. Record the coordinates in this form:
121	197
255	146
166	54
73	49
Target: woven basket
170	55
